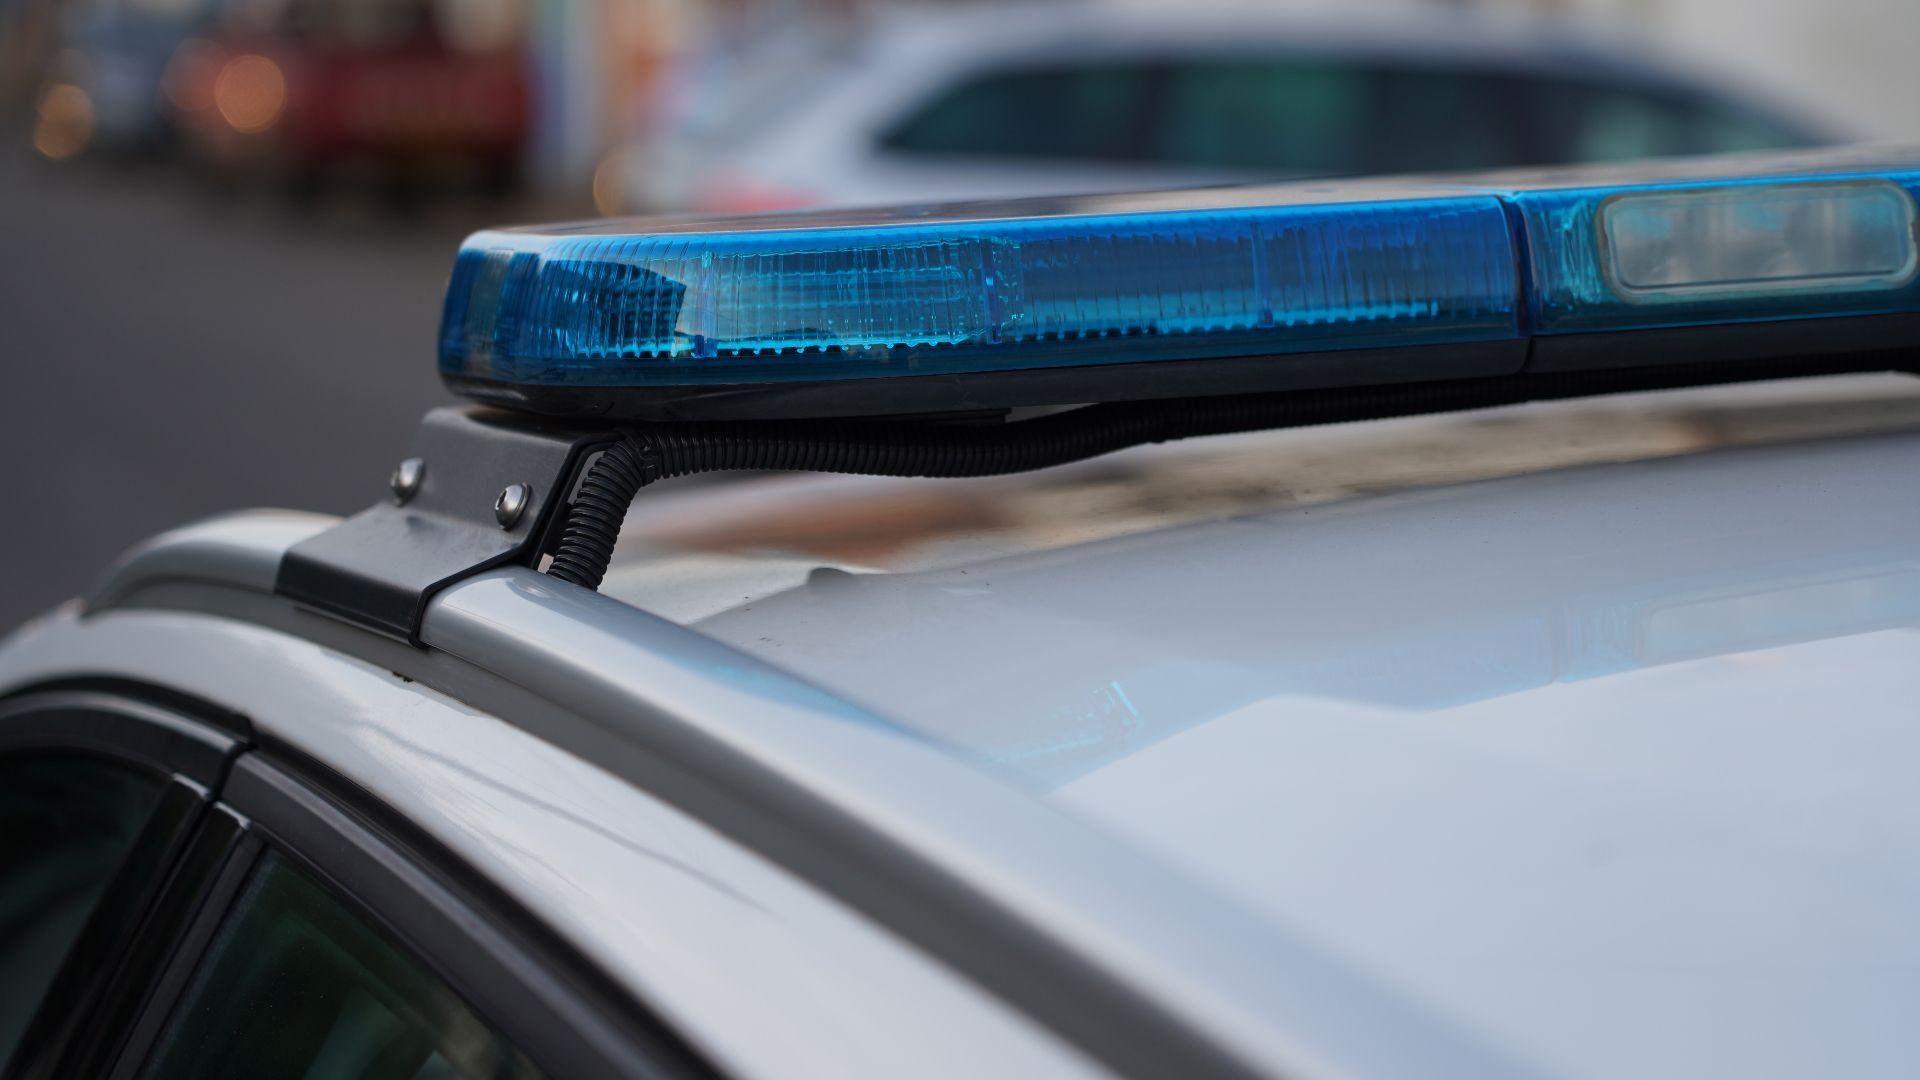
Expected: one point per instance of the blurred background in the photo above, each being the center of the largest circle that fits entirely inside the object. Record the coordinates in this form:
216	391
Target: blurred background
227	223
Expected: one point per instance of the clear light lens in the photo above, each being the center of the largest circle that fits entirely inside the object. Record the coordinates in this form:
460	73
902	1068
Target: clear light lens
1670	247
1715	241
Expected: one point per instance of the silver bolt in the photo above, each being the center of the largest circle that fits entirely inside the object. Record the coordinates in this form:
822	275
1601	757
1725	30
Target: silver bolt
405	482
511	504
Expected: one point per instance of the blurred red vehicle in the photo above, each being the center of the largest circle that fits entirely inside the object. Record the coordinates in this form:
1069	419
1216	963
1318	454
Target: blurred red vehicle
302	89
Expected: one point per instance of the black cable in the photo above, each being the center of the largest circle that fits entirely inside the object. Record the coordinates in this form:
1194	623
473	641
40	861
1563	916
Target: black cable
905	448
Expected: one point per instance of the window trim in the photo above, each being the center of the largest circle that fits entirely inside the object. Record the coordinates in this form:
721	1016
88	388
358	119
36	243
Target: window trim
178	929
541	996
79	717
113	960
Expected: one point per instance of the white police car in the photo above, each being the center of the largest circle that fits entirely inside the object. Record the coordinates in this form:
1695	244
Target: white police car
1563	738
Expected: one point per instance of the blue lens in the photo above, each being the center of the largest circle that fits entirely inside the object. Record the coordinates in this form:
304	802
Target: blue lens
1274	272
789	299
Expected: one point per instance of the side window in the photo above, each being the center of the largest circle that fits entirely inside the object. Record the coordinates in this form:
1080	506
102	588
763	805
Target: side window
1092	111
1598	123
1619	126
1312	117
1284	116
66	823
1318	117
296	984
1434	118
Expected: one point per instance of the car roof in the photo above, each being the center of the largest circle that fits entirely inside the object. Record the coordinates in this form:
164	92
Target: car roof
1455	744
1078	24
1555	716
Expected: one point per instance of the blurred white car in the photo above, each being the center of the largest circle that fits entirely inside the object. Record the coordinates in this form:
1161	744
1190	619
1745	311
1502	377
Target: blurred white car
916	105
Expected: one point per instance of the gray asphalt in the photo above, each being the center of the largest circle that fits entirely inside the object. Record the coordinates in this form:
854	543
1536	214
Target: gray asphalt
168	354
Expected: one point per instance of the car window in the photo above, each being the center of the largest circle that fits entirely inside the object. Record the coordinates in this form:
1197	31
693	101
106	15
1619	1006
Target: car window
1318	116
1069	111
1617	127
1284	117
1728	130
66	823
297	985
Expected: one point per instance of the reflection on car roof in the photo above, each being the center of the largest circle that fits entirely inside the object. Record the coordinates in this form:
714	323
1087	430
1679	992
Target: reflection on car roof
1515	710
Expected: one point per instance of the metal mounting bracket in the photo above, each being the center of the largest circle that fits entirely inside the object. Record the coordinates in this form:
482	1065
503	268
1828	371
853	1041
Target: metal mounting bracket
483	489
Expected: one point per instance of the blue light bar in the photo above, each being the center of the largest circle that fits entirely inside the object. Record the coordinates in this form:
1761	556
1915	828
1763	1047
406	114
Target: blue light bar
1314	283
791	299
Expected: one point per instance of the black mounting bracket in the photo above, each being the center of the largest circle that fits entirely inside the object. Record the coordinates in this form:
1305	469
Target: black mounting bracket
451	516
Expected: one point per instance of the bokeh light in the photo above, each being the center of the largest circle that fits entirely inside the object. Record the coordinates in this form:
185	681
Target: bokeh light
609	184
64	125
250	93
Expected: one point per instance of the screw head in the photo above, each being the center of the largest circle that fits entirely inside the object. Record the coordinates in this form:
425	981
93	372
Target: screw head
405	482
511	504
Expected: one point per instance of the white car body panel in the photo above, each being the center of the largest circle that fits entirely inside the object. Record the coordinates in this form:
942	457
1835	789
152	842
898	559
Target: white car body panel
1563	739
1609	763
761	972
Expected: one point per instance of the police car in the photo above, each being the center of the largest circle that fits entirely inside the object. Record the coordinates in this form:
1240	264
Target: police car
1057	694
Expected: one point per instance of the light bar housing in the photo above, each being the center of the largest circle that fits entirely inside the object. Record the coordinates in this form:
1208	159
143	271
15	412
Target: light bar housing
1177	294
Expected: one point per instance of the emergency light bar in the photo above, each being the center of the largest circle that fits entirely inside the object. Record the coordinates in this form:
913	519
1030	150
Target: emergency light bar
1181	294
